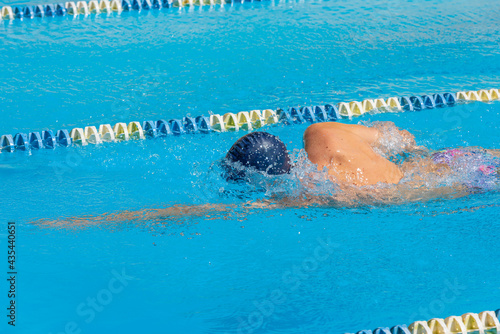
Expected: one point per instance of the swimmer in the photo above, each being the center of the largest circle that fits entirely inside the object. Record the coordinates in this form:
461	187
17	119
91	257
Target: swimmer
356	158
347	151
353	156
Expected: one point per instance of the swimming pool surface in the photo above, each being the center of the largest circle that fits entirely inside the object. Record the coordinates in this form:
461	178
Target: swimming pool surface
319	269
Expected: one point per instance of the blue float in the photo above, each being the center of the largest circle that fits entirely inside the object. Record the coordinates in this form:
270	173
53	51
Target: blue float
417	102
284	116
7	143
365	331
21	142
296	115
332	112
61	10
18	12
126	6
429	102
136	4
439	100
189	124
405	103
157	4
308	114
149	128
400	329
382	330
203	124
320	114
48	139
176	127
28	12
63	138
450	98
162	128
146	4
35	140
39	11
49	10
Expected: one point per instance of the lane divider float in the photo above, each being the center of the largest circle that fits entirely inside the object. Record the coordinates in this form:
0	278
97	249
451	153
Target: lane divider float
486	322
244	120
103	6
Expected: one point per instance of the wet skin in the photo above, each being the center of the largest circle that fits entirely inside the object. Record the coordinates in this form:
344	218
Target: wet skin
347	152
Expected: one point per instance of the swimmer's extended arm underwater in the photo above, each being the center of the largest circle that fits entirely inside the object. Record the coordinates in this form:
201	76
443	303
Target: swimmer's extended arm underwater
208	211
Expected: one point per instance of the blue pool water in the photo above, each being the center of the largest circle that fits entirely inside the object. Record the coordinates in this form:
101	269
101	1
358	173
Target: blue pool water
321	269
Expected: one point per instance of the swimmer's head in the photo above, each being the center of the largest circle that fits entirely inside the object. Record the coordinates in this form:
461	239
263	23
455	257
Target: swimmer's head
258	151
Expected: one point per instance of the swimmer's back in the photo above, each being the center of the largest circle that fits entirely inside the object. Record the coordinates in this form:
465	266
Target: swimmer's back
346	150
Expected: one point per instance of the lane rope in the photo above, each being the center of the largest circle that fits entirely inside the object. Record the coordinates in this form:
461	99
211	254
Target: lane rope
85	8
486	322
245	120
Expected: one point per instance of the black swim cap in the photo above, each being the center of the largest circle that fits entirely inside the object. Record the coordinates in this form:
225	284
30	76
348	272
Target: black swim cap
258	150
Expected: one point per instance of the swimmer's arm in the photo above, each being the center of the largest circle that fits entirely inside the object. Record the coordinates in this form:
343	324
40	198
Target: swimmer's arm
205	210
176	211
146	214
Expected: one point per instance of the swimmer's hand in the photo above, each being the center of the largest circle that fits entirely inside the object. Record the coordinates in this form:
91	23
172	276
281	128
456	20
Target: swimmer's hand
408	140
392	141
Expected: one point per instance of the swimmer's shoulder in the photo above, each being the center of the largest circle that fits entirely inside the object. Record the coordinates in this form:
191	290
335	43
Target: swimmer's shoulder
333	131
323	141
321	136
